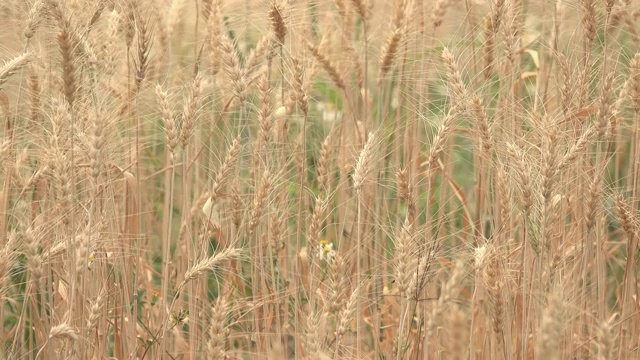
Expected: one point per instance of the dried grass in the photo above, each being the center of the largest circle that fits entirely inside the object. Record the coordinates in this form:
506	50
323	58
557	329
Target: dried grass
349	180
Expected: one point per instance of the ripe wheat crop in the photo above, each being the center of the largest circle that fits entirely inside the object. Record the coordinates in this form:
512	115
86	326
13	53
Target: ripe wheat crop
320	179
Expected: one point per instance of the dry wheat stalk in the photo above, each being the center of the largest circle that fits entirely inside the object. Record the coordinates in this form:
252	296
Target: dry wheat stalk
95	311
456	85
61	170
510	31
315	225
634	82
311	339
231	67
570	156
551	327
223	176
347	315
35	93
605	338
264	49
566	88
497	11
523	176
63	331
208	264
389	52
407	193
170	129
615	17
495	288
400	10
625	217
34	18
216	346
82	159
489	46
31	249
483	124
129	23
278	25
260	200
98	139
175	17
323	165
419	277
447	293
361	8
214	34
618	106
144	49
439	10
405	251
405	189
441	138
593	199
190	112
457	323
504	198
341	7
338	283
549	159
364	163
5	148
7	259
237	213
67	45
589	22
265	113
10	67
605	105
328	66
357	67
108	48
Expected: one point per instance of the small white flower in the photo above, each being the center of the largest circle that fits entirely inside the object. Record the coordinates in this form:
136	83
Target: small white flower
326	251
329	112
331	116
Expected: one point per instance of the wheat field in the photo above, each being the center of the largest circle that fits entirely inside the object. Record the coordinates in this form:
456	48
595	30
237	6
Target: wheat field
319	179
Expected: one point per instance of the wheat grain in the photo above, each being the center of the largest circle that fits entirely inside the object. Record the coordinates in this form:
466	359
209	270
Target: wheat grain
63	331
278	25
217	326
170	129
10	67
551	327
190	112
208	264
364	164
363	260
328	66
